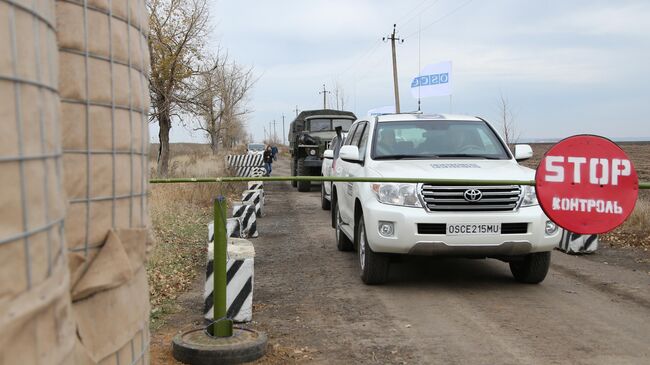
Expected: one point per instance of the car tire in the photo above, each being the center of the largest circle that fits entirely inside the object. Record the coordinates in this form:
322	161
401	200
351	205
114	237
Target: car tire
333	215
294	162
343	243
374	266
324	203
532	269
301	170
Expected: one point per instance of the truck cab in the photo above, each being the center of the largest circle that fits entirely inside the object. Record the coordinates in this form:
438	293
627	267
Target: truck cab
310	134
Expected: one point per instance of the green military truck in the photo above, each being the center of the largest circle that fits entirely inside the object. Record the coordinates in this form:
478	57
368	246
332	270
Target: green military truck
310	135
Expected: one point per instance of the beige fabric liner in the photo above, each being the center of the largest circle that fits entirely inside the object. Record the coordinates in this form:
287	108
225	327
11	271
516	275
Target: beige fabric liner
35	311
103	58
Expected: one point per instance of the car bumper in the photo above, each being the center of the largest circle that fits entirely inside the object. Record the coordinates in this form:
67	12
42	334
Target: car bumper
408	240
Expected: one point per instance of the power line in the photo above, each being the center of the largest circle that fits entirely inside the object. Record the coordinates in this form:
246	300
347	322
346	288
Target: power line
375	46
405	15
369	51
440	19
405	23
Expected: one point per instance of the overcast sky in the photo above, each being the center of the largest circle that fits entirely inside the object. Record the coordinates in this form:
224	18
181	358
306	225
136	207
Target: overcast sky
565	67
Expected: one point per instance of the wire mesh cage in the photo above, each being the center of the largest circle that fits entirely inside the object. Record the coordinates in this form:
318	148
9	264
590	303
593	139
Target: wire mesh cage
35	315
103	58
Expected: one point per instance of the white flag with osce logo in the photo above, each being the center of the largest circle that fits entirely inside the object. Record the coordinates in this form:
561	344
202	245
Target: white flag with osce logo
433	80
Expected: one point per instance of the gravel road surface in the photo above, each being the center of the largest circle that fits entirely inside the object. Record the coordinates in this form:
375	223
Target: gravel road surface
311	302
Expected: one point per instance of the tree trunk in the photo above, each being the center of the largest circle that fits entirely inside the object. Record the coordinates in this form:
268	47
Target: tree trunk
214	142
213	131
164	121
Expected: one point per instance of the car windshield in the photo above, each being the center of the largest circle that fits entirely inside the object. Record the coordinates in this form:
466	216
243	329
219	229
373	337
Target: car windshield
327	124
437	140
256	147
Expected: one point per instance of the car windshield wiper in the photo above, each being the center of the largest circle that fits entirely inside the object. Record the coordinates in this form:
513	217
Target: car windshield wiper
468	155
398	157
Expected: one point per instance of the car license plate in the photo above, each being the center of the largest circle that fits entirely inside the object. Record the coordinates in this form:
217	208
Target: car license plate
473	228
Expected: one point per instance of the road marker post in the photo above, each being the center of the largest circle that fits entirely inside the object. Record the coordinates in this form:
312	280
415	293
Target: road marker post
219	342
222	326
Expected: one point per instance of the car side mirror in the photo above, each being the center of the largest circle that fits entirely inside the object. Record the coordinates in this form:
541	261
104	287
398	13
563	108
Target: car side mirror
523	152
328	154
350	153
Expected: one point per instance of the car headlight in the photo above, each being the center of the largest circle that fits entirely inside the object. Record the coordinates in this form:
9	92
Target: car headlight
530	197
396	194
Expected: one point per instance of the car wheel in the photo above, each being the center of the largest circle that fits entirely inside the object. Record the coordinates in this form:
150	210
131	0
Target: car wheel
532	269
374	266
343	243
294	183
301	170
324	203
333	215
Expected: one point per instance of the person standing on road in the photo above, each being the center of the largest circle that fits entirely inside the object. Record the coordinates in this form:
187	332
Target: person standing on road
336	144
274	152
268	160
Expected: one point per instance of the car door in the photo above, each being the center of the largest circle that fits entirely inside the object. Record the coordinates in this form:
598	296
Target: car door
352	169
341	170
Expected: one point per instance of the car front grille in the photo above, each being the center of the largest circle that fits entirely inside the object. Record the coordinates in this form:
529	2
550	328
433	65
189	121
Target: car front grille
454	198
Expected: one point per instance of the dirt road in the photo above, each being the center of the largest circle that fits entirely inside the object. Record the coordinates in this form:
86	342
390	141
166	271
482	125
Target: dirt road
311	302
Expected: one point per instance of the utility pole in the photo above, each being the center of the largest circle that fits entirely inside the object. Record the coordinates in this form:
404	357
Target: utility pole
325	92
336	94
284	135
297	111
392	38
275	134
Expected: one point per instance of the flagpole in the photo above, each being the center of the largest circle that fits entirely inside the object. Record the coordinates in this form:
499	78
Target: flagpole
419	57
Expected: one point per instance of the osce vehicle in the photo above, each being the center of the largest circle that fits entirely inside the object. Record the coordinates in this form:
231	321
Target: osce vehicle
327	170
255	149
477	221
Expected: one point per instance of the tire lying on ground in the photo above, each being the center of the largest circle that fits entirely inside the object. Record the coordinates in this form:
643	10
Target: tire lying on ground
532	269
301	170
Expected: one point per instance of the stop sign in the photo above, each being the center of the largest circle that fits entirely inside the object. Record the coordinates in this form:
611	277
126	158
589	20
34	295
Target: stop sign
587	184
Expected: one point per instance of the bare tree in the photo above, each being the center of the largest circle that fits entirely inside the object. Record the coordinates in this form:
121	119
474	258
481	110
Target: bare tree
220	100
507	121
176	40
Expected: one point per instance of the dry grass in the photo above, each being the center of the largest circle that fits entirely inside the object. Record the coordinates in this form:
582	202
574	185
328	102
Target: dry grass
180	214
636	230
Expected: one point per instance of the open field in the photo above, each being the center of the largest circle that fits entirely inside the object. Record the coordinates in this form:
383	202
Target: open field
636	230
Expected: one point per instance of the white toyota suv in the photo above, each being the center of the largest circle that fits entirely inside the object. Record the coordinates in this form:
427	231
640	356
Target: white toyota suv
475	220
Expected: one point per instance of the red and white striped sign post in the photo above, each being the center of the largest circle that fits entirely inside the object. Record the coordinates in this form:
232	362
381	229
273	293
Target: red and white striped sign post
586	184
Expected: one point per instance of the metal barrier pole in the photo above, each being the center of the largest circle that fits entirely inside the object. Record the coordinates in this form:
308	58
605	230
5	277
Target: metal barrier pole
221	327
455	182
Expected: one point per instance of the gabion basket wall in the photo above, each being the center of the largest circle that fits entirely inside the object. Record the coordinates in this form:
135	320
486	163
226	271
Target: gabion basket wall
35	312
103	56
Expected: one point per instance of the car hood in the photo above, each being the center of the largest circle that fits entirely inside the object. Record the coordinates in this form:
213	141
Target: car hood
453	169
